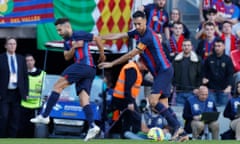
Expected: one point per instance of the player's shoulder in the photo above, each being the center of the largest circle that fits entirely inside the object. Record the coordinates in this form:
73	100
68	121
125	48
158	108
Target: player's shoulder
150	6
149	33
80	32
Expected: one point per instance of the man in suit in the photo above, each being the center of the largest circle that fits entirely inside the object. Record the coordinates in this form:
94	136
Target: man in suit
13	88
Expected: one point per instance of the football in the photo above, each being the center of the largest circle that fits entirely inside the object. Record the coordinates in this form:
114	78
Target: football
156	134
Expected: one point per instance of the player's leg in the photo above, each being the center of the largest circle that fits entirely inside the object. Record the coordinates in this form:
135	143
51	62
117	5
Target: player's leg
61	83
69	76
161	91
54	96
83	87
93	128
164	110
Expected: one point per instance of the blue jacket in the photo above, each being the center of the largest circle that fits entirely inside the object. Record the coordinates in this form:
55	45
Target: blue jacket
230	110
193	107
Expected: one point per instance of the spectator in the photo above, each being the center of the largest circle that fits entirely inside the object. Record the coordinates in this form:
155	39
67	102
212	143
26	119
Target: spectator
187	72
211	15
231	111
175	16
13	88
193	108
204	6
157	17
176	39
30	107
205	46
227	11
218	74
229	39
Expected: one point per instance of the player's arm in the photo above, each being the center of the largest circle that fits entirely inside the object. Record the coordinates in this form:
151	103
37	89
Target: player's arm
120	60
114	36
139	49
126	57
100	46
68	54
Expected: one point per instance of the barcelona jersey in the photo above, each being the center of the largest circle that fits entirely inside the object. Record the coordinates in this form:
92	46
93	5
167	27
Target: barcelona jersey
151	11
82	54
152	52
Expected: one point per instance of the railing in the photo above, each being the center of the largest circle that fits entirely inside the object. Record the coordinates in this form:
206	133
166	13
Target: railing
195	3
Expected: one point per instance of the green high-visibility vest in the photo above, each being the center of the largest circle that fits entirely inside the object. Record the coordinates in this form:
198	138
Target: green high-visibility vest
35	89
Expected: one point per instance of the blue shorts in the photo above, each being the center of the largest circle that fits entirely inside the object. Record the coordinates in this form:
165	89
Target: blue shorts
162	83
80	74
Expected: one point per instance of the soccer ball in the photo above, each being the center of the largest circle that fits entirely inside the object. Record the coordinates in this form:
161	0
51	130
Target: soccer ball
156	134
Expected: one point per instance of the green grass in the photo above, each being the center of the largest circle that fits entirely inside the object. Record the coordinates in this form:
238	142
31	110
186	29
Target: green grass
104	141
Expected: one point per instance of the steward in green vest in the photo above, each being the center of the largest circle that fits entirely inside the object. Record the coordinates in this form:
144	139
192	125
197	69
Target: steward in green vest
32	105
35	89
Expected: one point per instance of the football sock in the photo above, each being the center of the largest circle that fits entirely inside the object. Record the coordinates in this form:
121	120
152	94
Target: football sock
52	100
89	115
171	119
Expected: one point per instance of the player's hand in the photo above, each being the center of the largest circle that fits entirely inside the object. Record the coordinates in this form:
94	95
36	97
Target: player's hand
102	58
105	65
77	44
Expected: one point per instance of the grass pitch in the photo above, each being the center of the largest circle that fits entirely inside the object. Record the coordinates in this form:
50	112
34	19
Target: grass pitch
105	141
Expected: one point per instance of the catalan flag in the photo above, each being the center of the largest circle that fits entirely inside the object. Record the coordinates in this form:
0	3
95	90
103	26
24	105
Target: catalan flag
22	12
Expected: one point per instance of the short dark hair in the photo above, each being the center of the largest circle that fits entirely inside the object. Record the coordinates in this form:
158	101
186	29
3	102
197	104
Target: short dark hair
209	24
218	40
177	23
227	22
187	40
28	55
61	21
9	38
211	10
139	14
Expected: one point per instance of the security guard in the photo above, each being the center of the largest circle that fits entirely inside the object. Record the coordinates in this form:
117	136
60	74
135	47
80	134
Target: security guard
33	103
126	90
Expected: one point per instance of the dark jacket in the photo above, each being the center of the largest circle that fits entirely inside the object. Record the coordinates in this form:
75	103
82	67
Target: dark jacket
219	71
194	70
22	75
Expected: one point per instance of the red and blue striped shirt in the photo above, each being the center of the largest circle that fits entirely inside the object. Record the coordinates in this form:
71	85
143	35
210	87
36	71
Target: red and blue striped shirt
153	54
82	55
